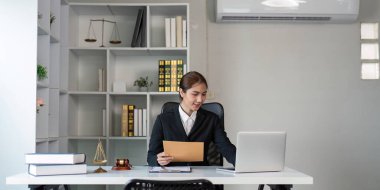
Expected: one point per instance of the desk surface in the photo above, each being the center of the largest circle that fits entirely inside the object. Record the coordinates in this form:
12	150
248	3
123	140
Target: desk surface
287	176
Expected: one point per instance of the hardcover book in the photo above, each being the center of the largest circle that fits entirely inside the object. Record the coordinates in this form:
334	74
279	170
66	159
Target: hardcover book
41	170
56	158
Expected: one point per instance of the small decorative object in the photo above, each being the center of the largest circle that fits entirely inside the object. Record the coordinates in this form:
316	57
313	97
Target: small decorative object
52	18
40	103
115	36
100	158
143	82
122	164
41	72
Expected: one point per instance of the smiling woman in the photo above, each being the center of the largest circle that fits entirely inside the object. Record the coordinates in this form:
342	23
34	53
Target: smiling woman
188	122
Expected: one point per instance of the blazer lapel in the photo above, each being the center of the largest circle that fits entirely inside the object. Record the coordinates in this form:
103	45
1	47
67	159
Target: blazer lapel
198	121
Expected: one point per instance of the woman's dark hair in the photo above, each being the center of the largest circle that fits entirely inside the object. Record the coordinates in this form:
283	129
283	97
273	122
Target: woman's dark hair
191	78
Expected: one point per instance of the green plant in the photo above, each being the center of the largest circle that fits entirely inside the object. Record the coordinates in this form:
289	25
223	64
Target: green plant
143	82
41	72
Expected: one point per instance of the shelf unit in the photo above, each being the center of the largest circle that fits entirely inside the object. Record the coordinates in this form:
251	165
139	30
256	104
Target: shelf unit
48	137
80	102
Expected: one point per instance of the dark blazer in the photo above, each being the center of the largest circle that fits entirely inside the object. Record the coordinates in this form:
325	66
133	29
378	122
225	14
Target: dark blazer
207	128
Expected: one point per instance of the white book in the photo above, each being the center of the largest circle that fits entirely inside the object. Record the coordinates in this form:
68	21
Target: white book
140	119
135	123
41	170
184	68
100	80
104	80
167	32
179	30
57	158
145	120
104	122
173	38
184	33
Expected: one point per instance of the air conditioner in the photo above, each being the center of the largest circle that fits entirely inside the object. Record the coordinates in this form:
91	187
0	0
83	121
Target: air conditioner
287	10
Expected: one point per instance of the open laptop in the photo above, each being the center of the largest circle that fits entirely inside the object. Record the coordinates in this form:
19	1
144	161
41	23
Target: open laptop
259	152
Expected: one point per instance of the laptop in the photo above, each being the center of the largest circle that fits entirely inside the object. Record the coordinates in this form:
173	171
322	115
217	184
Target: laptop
259	152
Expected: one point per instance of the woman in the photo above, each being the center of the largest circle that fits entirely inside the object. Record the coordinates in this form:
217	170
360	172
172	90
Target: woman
189	122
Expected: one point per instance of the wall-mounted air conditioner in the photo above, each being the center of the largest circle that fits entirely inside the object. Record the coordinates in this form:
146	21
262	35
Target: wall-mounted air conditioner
287	10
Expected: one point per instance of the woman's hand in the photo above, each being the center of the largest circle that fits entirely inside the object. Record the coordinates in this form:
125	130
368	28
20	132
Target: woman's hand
164	159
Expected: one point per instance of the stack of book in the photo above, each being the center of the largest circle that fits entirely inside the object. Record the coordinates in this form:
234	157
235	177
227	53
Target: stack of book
133	121
41	164
170	73
175	32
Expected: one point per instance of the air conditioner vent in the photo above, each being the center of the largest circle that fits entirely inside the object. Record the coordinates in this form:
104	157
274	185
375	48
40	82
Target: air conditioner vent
274	18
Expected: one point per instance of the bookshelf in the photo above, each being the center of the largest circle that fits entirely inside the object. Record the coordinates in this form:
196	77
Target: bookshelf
48	137
80	103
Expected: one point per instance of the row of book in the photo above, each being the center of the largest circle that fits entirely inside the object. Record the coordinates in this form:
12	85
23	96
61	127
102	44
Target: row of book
170	73
133	121
42	164
175	32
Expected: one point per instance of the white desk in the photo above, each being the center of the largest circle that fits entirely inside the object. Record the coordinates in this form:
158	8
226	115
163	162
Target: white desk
288	176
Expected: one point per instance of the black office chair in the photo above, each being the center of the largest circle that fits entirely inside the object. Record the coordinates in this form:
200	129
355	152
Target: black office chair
141	184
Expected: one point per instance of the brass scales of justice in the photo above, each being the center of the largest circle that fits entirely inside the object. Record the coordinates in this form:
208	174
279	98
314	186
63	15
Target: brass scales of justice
115	36
100	158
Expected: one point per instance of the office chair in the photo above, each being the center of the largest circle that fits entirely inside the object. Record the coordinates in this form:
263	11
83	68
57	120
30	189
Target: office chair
141	184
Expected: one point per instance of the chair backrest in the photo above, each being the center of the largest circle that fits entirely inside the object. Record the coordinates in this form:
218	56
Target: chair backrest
214	158
141	184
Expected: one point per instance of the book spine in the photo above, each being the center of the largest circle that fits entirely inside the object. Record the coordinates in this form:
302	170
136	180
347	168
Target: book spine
124	120
135	122
104	114
173	32
100	80
173	80
131	120
179	30
167	75
184	33
145	120
179	72
167	32
137	28
140	120
143	30
161	75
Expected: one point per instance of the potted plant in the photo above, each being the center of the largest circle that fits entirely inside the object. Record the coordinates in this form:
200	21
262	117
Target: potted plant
41	72
143	83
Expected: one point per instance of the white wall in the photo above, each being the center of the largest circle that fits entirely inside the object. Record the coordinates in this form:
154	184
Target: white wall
304	79
18	54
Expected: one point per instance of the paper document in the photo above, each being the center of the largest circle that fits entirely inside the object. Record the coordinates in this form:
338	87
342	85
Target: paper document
184	151
172	169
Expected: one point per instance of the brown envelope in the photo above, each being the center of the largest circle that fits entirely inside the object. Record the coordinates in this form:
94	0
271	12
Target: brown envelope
184	151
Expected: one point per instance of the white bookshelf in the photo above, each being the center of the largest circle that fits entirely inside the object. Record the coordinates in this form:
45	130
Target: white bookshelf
48	137
71	119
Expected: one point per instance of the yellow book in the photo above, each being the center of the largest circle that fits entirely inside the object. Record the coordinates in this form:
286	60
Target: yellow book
131	119
124	120
161	76
173	79
167	75
179	72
